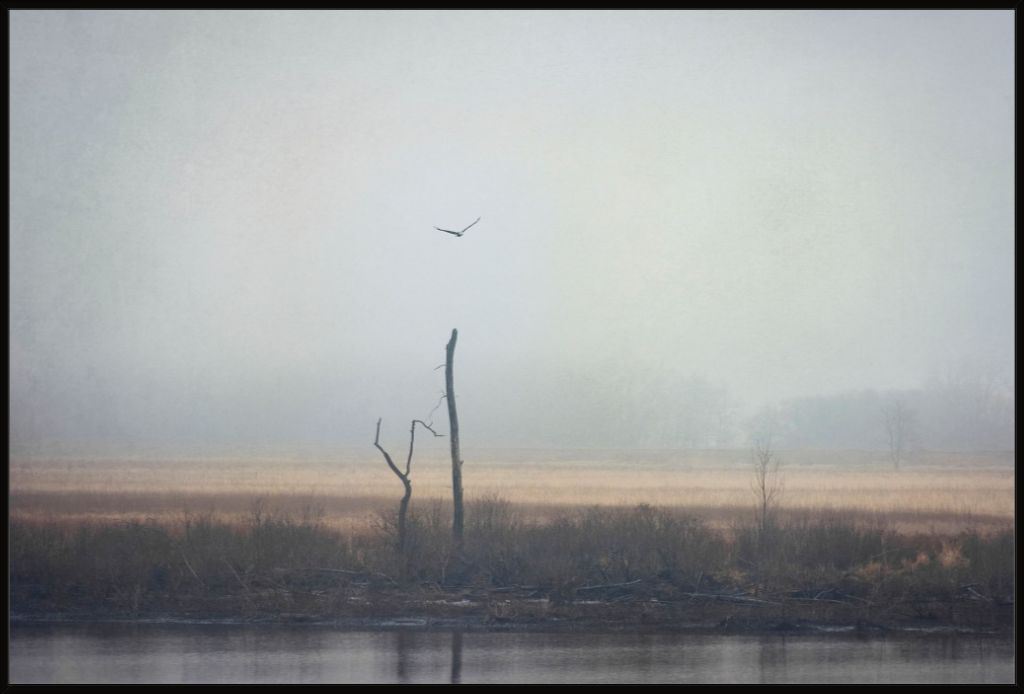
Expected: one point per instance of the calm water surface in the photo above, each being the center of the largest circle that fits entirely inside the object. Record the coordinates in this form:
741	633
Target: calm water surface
162	653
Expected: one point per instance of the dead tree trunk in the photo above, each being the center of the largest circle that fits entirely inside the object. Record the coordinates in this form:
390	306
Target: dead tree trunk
453	429
403	507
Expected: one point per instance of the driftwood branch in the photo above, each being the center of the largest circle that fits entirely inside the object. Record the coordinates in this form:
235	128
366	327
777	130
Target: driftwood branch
611	585
345	572
835	602
237	576
731	598
193	571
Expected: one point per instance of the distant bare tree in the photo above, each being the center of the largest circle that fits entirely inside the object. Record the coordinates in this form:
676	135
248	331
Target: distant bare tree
403	508
768	481
899	424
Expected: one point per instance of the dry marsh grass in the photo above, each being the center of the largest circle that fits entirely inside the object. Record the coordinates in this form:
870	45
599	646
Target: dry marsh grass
272	565
933	492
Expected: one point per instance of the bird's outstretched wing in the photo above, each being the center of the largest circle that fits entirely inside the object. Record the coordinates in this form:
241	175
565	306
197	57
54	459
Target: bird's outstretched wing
458	233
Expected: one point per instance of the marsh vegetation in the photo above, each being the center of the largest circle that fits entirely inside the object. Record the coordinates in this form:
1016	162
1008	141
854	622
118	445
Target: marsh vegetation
671	539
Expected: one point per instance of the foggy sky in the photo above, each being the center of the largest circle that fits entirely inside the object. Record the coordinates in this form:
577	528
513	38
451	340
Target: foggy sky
221	222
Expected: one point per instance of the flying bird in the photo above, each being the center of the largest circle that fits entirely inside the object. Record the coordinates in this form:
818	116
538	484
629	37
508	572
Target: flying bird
457	233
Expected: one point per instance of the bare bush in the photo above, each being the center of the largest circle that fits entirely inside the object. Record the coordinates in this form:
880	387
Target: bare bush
768	481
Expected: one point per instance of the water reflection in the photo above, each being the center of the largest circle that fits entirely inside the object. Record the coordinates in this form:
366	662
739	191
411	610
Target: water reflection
222	654
403	644
772	658
456	677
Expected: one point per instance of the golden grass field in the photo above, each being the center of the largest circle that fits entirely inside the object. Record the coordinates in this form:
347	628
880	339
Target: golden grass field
934	492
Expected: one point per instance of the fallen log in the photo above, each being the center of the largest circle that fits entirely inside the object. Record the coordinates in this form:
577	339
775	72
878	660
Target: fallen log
740	599
611	585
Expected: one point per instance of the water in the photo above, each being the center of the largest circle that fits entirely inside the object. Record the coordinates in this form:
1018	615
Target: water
170	653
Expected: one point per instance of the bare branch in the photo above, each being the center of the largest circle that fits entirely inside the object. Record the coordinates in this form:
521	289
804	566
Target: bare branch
428	428
412	440
430	415
387	458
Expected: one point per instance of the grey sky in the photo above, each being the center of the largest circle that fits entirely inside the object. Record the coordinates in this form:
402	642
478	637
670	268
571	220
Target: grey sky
221	222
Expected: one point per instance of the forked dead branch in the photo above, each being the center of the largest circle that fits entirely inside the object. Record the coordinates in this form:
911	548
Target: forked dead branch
458	516
404	476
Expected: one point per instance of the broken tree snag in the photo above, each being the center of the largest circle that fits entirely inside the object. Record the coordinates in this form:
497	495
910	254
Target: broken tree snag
453	429
403	507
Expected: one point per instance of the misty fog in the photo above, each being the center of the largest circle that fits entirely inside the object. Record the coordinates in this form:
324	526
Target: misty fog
222	226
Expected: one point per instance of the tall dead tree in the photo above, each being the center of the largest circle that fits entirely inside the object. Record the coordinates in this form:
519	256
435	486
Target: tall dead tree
403	507
453	433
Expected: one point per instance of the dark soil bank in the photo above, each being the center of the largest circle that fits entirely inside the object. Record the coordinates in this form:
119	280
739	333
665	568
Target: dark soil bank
634	607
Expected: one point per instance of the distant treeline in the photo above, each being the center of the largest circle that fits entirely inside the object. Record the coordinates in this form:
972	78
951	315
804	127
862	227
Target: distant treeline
952	413
943	416
543	406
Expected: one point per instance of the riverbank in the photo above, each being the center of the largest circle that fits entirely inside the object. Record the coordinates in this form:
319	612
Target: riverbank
628	608
598	568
